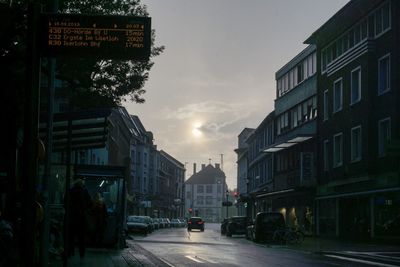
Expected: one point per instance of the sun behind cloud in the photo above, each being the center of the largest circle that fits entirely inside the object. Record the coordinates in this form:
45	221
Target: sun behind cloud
196	130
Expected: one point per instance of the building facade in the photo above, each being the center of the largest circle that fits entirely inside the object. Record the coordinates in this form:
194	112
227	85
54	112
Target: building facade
294	147
358	61
242	166
260	166
168	199
204	193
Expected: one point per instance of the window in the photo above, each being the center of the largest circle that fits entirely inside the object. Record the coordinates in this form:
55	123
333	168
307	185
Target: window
337	95
383	136
384	74
286	83
200	200
326	107
209	188
356	144
310	65
344	43
382	19
294	118
300	73
291	79
338	150
356	85
326	158
200	189
209	200
314	62
279	87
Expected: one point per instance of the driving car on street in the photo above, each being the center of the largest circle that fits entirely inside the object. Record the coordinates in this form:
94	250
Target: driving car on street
195	223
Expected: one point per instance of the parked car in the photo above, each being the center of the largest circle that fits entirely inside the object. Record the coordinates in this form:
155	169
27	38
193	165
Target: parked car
156	223
137	224
236	225
166	222
195	223
183	222
149	221
264	226
175	223
223	226
161	222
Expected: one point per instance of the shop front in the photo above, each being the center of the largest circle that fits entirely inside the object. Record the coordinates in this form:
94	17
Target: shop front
372	214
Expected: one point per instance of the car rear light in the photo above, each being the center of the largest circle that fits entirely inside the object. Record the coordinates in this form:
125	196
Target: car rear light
189	222
200	222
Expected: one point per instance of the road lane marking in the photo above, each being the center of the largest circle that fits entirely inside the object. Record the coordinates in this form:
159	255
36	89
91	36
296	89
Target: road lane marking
166	262
193	259
361	261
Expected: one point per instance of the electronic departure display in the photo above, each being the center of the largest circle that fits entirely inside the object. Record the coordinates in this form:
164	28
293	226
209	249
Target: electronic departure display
106	37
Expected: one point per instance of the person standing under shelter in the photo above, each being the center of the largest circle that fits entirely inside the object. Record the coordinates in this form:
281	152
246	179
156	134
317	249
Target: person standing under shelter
100	218
79	205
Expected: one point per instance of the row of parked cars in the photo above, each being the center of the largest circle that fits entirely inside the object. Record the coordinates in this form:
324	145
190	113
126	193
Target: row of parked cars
146	224
261	228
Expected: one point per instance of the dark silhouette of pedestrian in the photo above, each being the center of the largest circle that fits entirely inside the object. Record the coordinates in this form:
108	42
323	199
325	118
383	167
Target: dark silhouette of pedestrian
79	205
100	218
8	254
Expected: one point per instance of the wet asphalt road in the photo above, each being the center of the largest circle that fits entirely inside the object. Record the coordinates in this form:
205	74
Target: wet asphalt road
178	247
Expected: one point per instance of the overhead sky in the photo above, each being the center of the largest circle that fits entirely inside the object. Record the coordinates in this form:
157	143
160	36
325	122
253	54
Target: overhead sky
217	74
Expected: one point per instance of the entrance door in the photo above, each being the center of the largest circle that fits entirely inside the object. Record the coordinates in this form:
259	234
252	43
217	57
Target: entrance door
354	218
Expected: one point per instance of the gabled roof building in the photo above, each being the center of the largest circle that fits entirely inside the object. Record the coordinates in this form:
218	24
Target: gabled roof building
204	193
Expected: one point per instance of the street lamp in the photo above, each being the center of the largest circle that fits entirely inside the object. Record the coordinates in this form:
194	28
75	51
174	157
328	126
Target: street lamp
227	194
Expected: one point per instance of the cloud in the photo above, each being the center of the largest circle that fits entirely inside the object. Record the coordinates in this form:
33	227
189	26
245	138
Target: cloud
219	119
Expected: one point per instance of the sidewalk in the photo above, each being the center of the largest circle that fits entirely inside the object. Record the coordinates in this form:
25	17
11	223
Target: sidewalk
133	255
316	245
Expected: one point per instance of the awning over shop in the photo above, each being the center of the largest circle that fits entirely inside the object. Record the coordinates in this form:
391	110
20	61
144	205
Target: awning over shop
276	193
288	143
87	129
354	194
100	171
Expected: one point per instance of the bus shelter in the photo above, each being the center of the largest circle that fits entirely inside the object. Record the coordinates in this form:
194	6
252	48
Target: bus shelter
109	183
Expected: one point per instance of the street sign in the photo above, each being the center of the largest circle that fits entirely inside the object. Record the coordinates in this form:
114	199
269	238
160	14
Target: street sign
108	37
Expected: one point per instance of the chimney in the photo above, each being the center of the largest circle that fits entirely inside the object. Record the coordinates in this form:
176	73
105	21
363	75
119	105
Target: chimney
217	165
194	168
203	166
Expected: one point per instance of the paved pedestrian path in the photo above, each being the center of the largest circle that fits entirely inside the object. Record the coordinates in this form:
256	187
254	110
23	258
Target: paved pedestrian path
132	255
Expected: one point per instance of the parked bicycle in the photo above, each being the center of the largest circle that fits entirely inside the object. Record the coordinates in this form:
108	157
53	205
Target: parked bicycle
288	235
